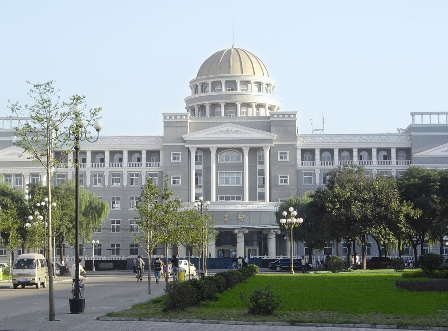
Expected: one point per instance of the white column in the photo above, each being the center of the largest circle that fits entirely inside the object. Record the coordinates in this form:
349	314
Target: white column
254	111
223	85
106	158
240	242
213	173
192	174
266	174
222	108
336	156
238	85
88	159
317	156
299	157
246	174
125	158
199	88
238	109
266	110
125	178
106	178
207	109
374	159
209	86
252	86
393	155
144	158
272	243
196	110
355	156
87	178
212	248
317	174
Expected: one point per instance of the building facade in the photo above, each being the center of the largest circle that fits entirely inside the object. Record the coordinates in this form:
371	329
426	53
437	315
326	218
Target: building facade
235	147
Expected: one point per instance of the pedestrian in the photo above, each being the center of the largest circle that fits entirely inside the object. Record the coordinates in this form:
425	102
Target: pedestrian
240	261
174	266
303	264
245	260
134	267
140	267
158	266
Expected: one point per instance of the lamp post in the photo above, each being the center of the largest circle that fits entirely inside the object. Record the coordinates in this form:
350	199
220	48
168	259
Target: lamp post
80	133
42	215
94	243
201	207
291	222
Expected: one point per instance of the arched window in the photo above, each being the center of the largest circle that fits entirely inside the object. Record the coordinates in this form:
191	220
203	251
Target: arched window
154	157
243	111
217	88
382	156
118	158
345	156
218	112
326	156
136	157
307	156
83	158
99	158
229	156
363	156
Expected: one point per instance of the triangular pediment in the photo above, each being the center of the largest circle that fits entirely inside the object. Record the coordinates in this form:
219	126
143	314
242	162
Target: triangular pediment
229	132
14	153
439	151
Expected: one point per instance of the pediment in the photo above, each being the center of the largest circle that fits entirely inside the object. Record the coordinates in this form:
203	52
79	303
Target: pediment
229	132
14	153
439	151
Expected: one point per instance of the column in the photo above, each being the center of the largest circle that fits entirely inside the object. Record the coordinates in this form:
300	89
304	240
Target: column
192	89
266	110
207	109
238	109
266	174
106	178
199	88
393	155
87	178
222	108
125	158
299	156
89	159
374	162
196	110
106	158
209	86
192	174
144	158
317	175
212	248
246	173
253	109
240	241
223	85
125	178
336	156
355	156
317	156
238	85
252	86
212	173
272	243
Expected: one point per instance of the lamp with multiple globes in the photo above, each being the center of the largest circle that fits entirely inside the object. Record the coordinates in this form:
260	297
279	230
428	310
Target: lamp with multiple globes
201	207
291	222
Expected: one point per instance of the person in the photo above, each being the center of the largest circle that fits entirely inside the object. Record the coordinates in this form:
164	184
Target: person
174	266
140	267
81	272
240	262
303	264
134	267
158	266
245	261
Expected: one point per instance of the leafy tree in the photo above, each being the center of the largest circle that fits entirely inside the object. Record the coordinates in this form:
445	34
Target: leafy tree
50	128
430	262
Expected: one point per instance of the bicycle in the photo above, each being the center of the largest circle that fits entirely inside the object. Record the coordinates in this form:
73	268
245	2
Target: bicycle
81	287
139	274
234	266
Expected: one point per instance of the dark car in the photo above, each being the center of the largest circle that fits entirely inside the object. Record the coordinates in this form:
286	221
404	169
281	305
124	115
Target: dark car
61	269
379	263
285	265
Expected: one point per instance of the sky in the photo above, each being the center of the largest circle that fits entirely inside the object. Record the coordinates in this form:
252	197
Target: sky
363	66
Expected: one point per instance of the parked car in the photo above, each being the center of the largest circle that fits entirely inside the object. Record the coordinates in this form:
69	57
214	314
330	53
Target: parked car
379	263
61	269
189	268
285	264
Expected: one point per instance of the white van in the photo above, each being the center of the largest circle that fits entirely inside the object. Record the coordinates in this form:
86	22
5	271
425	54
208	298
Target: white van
28	270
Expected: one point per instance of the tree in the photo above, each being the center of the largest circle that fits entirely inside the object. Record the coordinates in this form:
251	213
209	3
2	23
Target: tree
49	127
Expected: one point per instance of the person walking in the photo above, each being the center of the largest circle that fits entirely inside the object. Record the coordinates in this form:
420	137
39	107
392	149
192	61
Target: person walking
303	265
175	266
158	266
140	267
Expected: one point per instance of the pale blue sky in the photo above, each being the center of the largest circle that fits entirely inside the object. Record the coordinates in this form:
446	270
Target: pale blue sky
364	65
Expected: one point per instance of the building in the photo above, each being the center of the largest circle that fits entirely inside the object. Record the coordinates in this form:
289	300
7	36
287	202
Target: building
233	146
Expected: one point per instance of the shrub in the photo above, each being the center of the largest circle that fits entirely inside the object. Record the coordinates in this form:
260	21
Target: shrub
398	264
261	301
413	274
253	268
334	264
430	262
180	295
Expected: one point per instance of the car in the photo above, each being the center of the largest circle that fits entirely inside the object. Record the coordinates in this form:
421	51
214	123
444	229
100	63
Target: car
285	265
60	269
379	263
189	268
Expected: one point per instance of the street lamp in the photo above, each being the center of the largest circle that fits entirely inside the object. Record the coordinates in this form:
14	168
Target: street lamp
80	133
94	243
291	222
202	206
41	215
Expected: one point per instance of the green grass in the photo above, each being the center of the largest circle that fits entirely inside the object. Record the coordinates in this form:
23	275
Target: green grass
360	297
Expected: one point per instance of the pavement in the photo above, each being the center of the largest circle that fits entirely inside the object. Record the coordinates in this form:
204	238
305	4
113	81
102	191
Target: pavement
126	294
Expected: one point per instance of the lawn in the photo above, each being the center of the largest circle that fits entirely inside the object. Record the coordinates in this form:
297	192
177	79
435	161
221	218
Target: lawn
360	297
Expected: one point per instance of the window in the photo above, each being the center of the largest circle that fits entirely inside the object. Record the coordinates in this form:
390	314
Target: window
230	197
7	179
363	156
118	158
260	157
60	178
175	181
217	88
407	250
425	249
307	157
115	226
325	177
134	179
345	156
401	156
136	158
154	160
115	249
133	226
283	156
198	157
97	249
326	157
328	249
231	178
175	157
229	156
369	248
34	179
133	202
2	250
283	180
198	179
133	249
382	156
82	179
260	181
82	160
243	111
155	178
308	178
243	88
115	179
99	159
231	112
115	202
18	180
97	180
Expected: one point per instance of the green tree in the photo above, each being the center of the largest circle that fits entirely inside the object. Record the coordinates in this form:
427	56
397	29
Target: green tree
50	127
